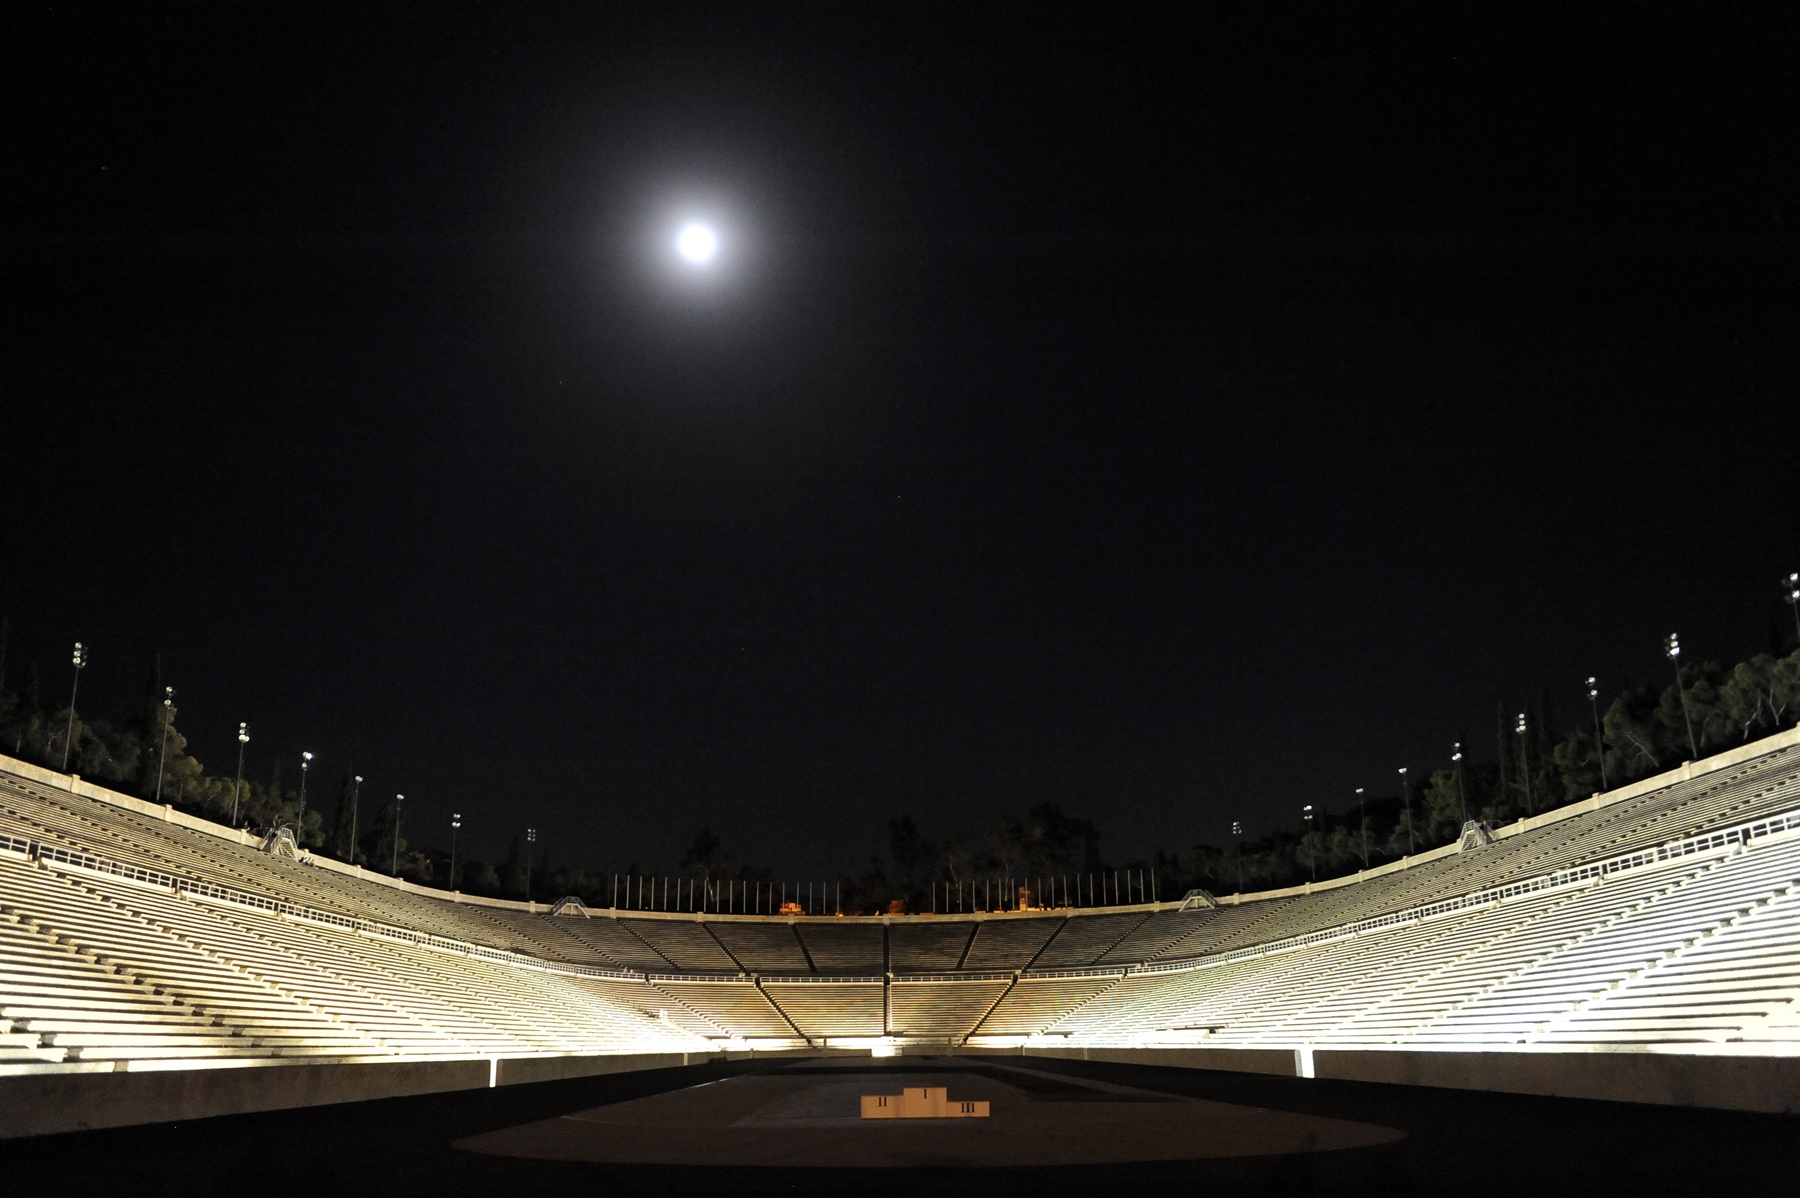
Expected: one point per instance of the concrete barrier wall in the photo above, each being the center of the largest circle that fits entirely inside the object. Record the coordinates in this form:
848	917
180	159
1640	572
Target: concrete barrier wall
46	1104
1278	1061
1738	1083
521	1071
1769	1084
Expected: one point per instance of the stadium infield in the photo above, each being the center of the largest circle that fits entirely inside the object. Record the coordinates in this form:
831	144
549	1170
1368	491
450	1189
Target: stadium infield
1316	1136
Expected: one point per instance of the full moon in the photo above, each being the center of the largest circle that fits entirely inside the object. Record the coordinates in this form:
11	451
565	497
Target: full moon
697	243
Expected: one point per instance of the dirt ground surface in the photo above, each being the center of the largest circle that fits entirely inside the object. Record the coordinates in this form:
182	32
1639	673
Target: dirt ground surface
1058	1127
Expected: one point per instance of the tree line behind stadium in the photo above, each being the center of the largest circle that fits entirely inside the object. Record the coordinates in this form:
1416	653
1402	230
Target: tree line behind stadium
1643	730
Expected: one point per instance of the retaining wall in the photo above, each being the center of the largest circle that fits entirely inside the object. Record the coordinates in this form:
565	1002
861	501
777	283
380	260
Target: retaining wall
1739	1083
47	1103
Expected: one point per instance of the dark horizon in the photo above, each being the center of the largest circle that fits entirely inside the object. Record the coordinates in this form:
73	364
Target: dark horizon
1183	422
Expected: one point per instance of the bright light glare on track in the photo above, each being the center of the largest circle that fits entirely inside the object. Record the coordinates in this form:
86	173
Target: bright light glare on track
697	243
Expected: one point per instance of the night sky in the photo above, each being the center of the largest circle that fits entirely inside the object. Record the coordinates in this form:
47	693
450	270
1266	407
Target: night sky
1180	418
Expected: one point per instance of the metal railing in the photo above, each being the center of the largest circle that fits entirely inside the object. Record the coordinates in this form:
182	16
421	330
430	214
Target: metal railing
214	892
1573	876
1588	874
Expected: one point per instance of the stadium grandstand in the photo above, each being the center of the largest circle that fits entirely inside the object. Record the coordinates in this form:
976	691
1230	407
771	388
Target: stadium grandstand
1644	942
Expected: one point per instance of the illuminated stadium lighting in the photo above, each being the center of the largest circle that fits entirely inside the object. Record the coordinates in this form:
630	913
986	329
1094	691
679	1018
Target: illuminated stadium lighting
1362	816
1462	796
1312	857
1593	694
1673	649
237	787
167	718
394	856
1412	843
355	795
1237	831
1524	762
80	659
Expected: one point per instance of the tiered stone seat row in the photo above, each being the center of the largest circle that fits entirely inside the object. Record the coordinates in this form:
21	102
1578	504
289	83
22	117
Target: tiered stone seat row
99	970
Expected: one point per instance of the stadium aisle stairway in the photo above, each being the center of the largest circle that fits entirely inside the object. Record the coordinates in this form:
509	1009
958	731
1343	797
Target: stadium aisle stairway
946	1009
830	1009
762	947
1034	1003
686	944
1011	942
728	1007
215	1009
934	947
844	949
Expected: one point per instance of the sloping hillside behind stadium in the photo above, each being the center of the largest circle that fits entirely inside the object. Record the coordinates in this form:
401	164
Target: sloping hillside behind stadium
1665	916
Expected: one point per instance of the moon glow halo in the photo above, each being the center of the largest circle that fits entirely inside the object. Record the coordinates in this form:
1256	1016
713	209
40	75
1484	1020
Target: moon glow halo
697	243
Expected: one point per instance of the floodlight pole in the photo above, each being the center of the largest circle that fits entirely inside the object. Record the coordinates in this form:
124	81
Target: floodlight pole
1412	840
1462	795
531	839
74	687
1312	857
1593	693
237	788
1237	846
1674	651
162	758
355	794
1525	764
1362	818
394	854
1791	584
305	765
455	823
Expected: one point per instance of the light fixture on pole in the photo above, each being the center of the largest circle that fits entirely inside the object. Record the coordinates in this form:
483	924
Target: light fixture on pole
80	660
305	765
1673	649
455	823
530	839
394	851
355	793
1237	847
1791	588
1593	692
237	788
1462	796
1525	764
162	757
1312	857
1412	841
1362	818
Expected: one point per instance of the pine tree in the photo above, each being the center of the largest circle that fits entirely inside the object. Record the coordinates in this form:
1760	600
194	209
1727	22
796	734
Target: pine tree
276	797
1505	744
340	842
1546	782
382	844
150	729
